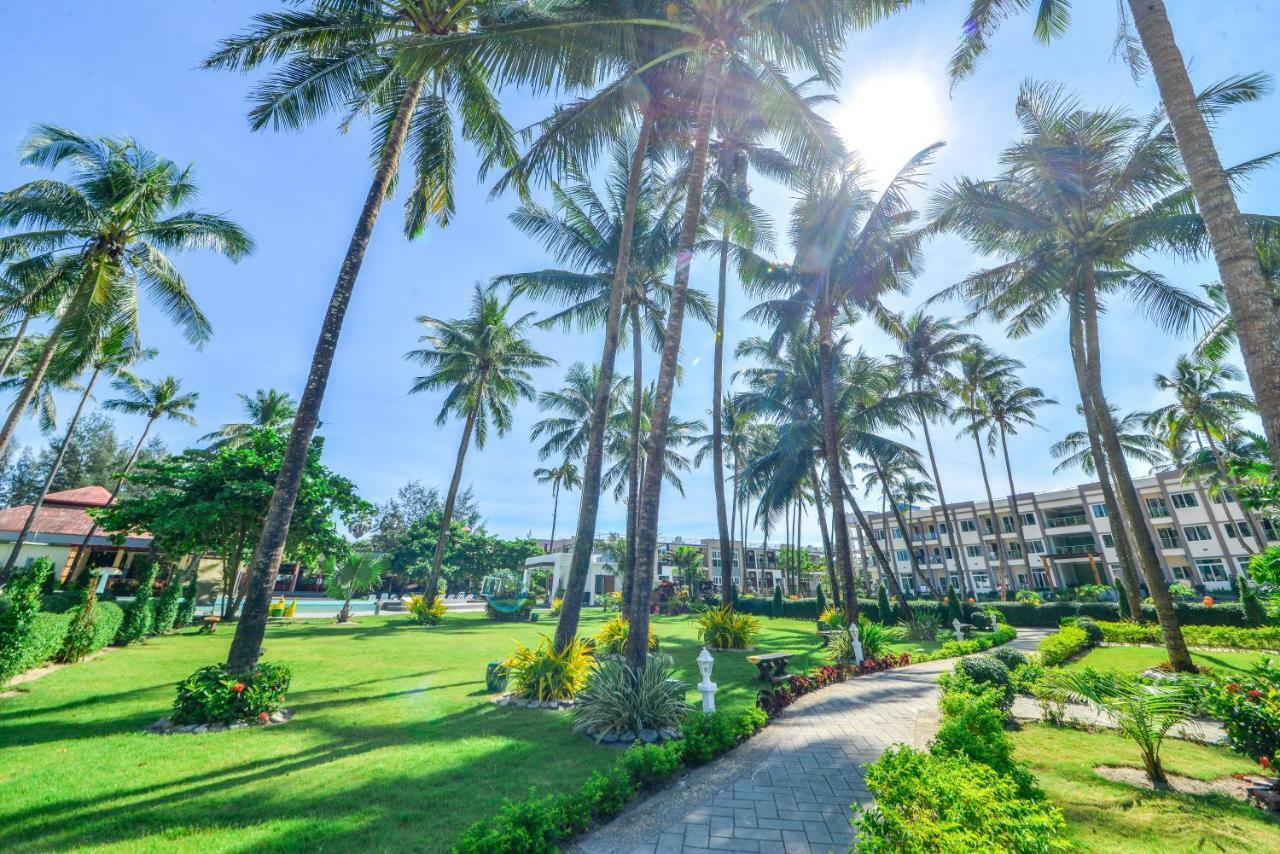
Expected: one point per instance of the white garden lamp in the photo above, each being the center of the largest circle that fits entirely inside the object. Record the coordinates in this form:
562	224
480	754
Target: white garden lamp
706	686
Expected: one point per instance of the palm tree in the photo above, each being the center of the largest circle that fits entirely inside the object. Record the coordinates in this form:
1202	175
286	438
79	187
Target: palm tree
355	573
353	57
114	353
482	362
929	347
108	229
567	431
564	476
1083	195
267	408
1007	404
1248	291
153	399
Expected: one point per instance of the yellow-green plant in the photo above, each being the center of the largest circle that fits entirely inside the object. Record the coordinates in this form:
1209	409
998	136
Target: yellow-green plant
725	628
613	636
426	613
833	617
556	604
543	674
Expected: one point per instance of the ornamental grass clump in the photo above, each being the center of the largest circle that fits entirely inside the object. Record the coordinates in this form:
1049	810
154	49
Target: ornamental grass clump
543	674
215	695
922	628
612	637
426	613
619	701
725	628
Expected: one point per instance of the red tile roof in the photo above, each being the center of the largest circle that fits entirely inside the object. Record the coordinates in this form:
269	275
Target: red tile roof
62	513
85	496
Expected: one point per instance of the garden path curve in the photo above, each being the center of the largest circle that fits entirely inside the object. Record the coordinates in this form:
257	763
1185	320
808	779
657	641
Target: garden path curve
789	789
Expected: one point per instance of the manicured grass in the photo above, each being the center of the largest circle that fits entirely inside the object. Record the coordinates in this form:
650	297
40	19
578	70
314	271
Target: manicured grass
1135	659
394	746
1111	817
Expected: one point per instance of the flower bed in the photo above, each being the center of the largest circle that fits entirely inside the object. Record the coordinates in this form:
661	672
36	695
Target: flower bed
774	700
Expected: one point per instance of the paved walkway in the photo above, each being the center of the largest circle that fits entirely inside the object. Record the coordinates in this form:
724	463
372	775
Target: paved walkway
789	789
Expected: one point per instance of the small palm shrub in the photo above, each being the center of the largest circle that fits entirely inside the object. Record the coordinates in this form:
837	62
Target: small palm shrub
612	637
725	628
617	700
874	637
922	628
543	674
214	695
610	602
426	613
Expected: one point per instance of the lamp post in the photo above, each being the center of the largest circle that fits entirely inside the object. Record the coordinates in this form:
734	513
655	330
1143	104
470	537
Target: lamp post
706	687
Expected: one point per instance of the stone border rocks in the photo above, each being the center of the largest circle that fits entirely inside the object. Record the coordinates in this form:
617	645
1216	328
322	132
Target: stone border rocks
166	727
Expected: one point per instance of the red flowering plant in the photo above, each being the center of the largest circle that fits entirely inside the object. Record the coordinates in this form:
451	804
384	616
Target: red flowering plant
1249	708
213	695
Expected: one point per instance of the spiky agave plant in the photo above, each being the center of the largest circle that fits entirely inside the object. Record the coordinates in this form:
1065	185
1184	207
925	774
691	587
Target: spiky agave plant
618	699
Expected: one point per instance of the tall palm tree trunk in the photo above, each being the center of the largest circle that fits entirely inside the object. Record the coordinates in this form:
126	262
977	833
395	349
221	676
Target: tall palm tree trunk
589	506
890	578
957	554
1002	560
555	513
827	557
32	385
18	338
115	491
1013	502
1090	381
831	450
717	408
651	487
246	646
1253	303
433	580
48	481
919	578
633	473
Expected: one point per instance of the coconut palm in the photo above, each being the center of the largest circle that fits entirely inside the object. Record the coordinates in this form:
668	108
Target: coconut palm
267	408
350	57
114	353
482	363
1083	195
564	476
152	399
60	376
103	236
734	437
929	347
354	573
1249	292
566	432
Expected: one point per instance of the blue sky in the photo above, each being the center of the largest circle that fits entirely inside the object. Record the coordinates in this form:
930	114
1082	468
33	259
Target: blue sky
131	67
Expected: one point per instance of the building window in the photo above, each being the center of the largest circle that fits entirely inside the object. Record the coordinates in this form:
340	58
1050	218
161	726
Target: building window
1269	528
1180	573
897	532
1007	523
879	532
904	556
1239	530
1222	496
1157	508
1100	511
973	551
1168	538
1108	541
1035	547
968	525
1197	533
1028	518
942	527
1242	565
980	580
1015	550
1211	569
1183	500
946	551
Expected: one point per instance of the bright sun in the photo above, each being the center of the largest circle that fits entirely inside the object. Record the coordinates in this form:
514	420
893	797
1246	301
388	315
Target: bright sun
888	117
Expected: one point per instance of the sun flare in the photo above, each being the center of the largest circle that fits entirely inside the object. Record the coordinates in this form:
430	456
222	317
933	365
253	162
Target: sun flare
887	117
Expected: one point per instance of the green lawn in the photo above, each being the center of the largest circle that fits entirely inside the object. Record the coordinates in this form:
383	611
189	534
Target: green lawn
1112	817
1135	659
394	746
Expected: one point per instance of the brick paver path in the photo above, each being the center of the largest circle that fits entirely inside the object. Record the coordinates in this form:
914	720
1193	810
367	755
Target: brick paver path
789	789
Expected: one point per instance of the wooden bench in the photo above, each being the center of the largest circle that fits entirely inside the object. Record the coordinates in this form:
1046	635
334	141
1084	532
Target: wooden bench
966	629
1267	797
827	635
209	623
772	666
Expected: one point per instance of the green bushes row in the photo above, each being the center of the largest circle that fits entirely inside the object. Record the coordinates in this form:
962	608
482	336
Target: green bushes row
1051	614
50	630
953	648
1230	637
1063	644
763	606
539	823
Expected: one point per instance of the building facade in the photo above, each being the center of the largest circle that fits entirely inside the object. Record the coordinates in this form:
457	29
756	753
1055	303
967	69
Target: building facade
1202	542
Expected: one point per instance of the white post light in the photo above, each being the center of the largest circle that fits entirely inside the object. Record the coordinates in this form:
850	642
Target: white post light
857	643
706	687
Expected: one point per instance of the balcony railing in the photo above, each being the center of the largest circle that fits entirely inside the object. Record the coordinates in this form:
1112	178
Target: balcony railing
1073	550
1064	521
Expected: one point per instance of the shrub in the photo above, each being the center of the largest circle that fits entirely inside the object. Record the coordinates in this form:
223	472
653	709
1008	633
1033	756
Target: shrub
1228	637
651	764
610	601
1254	614
21	645
973	726
187	610
923	628
725	628
556	604
777	600
1123	603
426	613
1250	710
612	637
953	605
214	694
138	616
543	674
526	826
833	617
885	609
1062	644
78	641
1028	597
166	614
985	672
605	794
617	700
950	803
1092	630
1092	592
707	735
821	600
1011	658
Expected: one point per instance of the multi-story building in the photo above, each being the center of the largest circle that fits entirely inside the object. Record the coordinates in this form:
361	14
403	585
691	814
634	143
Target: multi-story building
1201	541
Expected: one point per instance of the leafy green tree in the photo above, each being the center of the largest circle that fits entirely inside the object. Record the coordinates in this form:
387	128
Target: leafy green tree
688	560
109	228
266	408
482	362
412	503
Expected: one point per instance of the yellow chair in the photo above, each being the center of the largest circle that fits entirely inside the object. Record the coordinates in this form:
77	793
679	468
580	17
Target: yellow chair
276	609
292	609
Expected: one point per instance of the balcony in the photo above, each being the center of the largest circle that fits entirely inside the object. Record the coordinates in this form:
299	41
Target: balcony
1073	550
1065	521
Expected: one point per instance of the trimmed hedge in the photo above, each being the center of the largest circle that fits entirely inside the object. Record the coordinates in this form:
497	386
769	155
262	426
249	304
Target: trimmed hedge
50	629
1050	615
1228	637
1062	644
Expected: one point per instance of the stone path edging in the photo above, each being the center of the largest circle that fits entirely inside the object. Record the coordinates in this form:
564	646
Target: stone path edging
788	790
